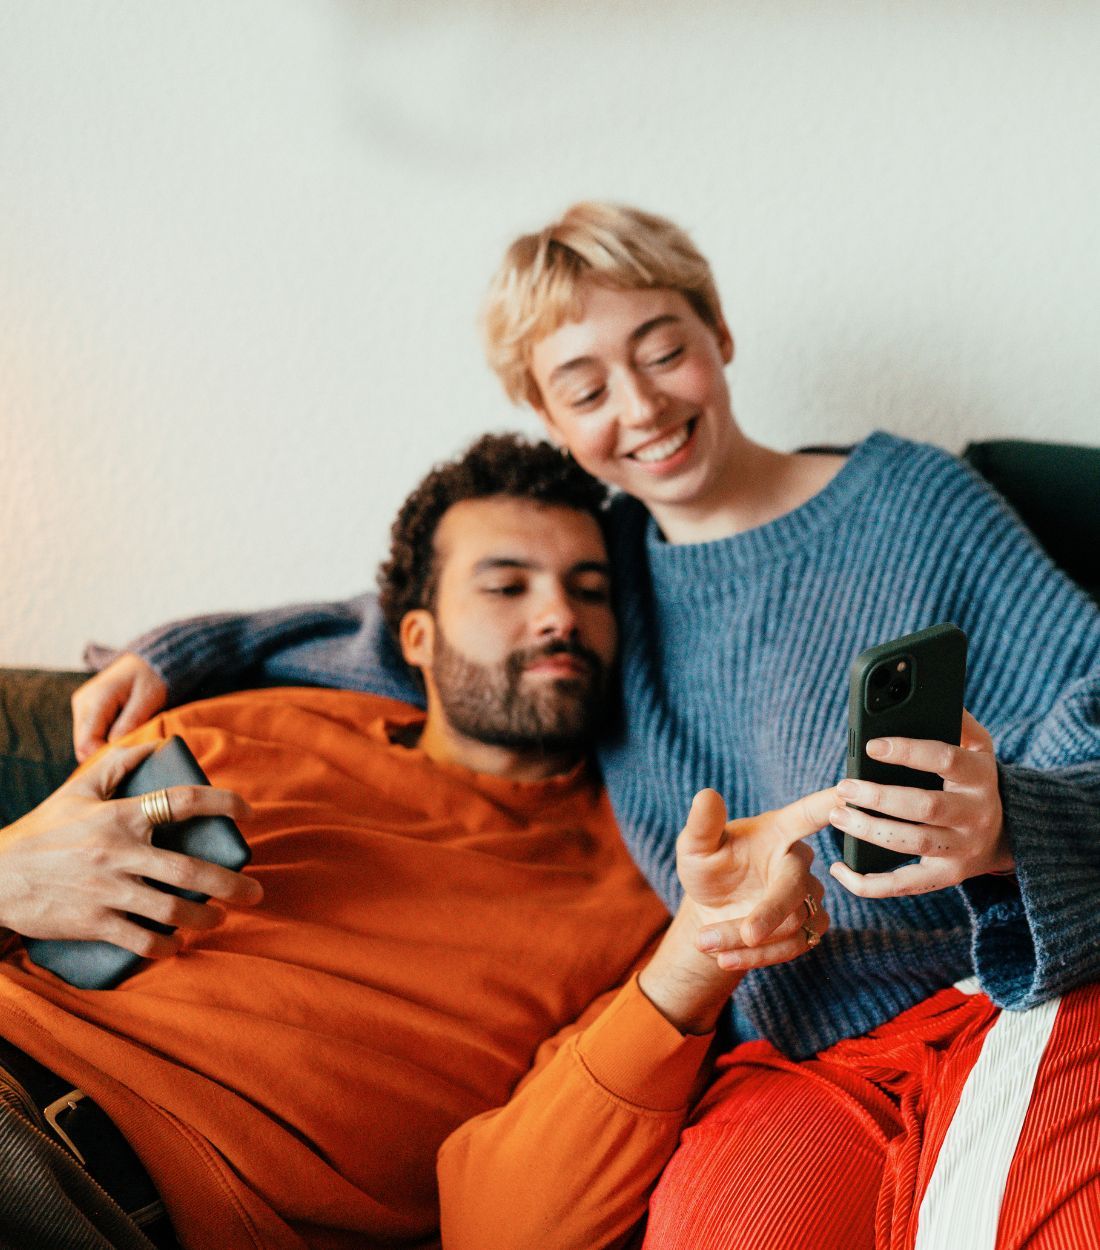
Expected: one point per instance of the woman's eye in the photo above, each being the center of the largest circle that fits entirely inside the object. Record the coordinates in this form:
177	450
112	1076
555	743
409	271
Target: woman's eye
666	358
509	589
587	398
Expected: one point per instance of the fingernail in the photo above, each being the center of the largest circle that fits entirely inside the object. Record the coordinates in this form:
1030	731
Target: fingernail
708	940
878	746
837	815
729	961
848	788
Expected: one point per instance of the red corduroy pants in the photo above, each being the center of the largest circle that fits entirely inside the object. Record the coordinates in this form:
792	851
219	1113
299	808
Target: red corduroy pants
955	1125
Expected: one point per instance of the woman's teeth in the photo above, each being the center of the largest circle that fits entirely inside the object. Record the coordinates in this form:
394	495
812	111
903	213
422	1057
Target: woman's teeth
666	447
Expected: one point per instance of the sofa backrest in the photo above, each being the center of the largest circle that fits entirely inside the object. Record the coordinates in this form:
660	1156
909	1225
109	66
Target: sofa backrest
1055	490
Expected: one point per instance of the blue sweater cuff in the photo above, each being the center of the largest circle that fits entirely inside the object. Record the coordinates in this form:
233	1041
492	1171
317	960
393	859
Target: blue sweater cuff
1034	933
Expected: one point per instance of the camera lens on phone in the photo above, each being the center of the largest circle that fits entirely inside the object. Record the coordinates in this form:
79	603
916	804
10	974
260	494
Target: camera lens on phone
880	675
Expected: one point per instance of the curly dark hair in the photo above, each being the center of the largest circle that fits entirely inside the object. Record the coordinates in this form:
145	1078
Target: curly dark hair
495	465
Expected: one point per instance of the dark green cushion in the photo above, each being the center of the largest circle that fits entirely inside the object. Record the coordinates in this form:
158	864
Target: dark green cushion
1055	489
36	736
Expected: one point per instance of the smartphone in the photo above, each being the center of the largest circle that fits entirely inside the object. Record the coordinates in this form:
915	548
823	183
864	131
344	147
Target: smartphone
909	688
102	965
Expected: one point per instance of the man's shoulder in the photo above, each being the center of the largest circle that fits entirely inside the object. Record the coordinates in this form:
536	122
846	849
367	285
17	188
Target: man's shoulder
281	711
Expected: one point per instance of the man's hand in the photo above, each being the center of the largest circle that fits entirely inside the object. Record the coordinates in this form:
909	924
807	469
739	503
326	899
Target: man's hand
957	832
74	866
120	698
748	879
746	883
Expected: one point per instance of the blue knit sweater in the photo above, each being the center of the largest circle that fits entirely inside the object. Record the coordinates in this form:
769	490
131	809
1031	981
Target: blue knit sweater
735	656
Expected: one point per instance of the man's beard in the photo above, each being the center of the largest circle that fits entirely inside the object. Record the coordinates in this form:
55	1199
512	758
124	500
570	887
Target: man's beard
491	703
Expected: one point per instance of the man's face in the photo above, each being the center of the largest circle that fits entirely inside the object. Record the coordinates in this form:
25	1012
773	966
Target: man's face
523	631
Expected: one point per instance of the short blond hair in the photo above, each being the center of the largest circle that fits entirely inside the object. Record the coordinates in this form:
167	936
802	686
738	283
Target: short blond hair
539	283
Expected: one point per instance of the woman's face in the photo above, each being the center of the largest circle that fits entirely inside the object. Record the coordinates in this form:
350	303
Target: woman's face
636	390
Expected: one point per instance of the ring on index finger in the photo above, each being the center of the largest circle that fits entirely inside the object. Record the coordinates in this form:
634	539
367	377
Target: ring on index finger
810	906
156	808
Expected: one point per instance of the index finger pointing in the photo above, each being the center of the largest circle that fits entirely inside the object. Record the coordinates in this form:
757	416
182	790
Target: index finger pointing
805	815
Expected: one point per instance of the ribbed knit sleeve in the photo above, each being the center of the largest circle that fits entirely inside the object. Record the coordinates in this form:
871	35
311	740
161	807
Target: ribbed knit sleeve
1035	935
344	644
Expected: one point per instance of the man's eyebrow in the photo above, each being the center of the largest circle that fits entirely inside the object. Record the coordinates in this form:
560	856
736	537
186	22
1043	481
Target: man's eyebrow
592	566
492	563
502	562
570	366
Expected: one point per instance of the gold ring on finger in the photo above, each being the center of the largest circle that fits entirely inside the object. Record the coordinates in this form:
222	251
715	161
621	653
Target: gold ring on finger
810	906
812	937
156	808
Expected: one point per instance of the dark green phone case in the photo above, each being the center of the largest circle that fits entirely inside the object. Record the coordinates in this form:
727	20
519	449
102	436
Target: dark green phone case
102	965
933	709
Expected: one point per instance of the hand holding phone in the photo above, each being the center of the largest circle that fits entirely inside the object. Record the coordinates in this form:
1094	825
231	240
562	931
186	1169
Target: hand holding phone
922	774
214	839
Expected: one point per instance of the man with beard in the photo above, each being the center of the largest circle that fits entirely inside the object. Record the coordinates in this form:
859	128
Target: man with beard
448	913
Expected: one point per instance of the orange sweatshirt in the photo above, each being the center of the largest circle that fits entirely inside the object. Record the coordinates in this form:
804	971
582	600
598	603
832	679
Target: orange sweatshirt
288	1077
569	1162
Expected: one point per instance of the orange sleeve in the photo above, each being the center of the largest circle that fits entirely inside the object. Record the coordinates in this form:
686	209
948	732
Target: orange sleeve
570	1160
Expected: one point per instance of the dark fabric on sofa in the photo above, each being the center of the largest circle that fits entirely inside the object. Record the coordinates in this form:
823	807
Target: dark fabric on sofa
36	749
1055	490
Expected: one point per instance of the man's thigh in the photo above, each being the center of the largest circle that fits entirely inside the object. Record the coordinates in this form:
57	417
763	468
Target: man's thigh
47	1200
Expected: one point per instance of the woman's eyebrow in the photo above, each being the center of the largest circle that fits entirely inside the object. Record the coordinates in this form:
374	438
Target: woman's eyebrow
654	323
582	362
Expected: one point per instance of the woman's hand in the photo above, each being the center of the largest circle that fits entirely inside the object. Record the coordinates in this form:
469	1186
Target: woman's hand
123	696
746	886
957	832
76	865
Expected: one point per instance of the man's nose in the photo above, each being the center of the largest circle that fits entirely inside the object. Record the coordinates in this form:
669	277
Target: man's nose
557	616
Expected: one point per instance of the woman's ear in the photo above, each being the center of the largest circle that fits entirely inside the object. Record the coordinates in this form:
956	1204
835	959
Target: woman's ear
538	407
725	340
417	637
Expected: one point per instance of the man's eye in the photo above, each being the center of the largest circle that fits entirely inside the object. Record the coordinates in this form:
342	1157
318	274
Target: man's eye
509	589
594	594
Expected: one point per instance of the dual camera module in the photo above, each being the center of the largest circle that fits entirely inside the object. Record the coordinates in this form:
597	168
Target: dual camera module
889	683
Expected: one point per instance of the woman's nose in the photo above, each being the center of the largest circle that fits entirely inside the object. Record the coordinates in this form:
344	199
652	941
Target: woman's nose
640	401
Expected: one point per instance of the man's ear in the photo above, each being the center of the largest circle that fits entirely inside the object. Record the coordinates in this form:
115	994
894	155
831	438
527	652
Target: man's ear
417	637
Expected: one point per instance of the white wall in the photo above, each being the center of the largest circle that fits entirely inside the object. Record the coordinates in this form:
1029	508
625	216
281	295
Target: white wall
242	243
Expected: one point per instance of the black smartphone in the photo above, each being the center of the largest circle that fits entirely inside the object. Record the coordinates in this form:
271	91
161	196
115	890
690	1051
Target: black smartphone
909	688
102	965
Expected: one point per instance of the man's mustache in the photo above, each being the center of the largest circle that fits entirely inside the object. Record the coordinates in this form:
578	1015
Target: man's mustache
520	660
